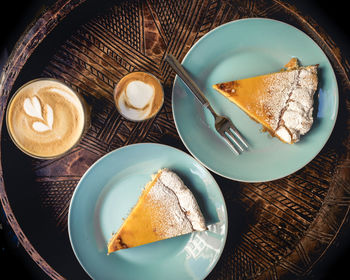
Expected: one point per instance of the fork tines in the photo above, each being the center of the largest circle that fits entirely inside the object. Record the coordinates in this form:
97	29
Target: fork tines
234	139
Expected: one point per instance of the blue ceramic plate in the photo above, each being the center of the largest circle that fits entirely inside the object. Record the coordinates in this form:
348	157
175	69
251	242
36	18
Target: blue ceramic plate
106	194
238	50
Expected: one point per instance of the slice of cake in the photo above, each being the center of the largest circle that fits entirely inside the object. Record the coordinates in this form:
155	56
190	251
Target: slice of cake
165	209
282	102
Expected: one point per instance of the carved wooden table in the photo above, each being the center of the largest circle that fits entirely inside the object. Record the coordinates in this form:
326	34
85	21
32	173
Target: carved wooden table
277	230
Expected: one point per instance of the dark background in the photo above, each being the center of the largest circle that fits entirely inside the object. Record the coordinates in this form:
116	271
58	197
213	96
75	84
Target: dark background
16	15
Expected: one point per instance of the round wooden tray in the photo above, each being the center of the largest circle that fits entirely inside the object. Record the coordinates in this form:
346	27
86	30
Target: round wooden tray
277	230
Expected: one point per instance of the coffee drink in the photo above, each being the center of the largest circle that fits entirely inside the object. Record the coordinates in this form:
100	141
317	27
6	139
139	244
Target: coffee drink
138	96
45	118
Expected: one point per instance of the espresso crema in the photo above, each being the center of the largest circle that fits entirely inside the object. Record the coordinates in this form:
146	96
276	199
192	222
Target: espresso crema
138	96
45	118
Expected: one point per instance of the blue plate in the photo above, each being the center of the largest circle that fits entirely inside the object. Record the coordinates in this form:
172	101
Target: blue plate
238	50
106	194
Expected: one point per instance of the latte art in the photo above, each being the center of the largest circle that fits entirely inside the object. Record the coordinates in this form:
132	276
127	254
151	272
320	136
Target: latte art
138	96
134	105
136	100
45	118
32	107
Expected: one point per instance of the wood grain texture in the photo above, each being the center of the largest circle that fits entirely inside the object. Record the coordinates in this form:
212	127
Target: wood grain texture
288	224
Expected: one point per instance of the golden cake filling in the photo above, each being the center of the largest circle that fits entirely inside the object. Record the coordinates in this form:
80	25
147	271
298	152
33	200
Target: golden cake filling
165	209
282	102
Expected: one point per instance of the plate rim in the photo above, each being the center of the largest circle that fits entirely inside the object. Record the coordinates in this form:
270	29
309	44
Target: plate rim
336	106
222	248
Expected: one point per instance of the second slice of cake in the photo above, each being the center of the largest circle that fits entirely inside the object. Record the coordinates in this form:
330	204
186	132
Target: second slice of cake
282	102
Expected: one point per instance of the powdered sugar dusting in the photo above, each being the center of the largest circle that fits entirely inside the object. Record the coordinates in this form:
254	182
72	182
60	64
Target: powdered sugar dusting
177	206
278	86
186	199
289	102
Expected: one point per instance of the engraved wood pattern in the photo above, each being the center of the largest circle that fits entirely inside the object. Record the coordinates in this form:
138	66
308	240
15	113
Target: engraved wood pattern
288	223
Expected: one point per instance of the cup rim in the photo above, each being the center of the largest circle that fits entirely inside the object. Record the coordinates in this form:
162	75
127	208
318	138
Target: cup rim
81	101
155	113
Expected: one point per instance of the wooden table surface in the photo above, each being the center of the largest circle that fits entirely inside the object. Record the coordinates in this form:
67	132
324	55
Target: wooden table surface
331	261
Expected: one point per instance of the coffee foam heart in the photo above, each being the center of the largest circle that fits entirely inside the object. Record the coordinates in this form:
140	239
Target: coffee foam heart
133	96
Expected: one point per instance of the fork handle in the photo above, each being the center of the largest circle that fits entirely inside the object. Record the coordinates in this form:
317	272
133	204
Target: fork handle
185	77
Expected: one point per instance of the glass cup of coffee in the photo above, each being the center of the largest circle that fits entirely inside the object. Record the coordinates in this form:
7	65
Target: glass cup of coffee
45	118
138	96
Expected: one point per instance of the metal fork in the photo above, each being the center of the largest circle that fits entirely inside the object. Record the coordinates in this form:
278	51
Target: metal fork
223	125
